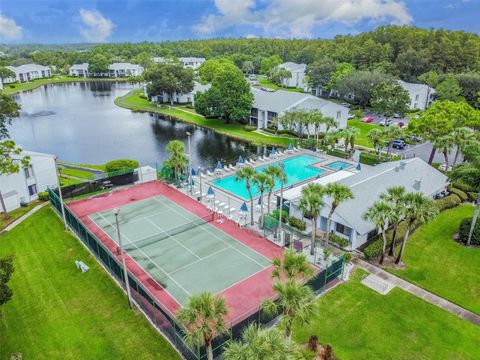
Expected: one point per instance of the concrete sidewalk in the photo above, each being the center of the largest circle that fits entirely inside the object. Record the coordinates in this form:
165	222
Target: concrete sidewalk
419	292
24	216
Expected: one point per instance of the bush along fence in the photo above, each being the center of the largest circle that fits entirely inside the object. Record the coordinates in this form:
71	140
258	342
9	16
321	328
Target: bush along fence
160	316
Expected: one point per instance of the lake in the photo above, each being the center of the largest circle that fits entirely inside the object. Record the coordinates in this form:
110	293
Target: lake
79	122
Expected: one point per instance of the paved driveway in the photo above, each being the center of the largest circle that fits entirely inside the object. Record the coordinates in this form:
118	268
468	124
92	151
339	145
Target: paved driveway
423	151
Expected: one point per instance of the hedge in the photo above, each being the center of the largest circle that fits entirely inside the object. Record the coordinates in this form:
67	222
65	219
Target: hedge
338	153
43	196
276	213
369	159
461	194
121	164
472	196
340	241
462	186
448	202
374	249
464	229
249	128
297	223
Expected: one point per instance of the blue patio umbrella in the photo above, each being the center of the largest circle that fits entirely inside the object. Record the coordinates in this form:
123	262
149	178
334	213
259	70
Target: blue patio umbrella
290	147
359	167
194	173
274	151
210	191
240	159
219	165
244	207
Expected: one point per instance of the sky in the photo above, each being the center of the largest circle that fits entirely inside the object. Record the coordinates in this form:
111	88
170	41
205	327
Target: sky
79	21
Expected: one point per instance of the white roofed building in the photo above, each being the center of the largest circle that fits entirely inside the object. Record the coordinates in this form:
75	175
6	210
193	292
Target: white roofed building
415	175
421	95
24	186
80	70
182	98
192	62
267	105
124	69
298	75
28	72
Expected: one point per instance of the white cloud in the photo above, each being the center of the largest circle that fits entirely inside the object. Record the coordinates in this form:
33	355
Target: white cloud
9	30
251	36
97	28
298	18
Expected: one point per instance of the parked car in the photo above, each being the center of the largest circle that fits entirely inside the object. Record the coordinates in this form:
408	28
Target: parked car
399	144
444	168
351	116
442	194
414	138
346	104
367	119
400	124
396	116
386	122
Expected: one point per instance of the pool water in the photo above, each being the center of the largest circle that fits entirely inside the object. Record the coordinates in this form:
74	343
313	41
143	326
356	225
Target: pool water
339	165
296	168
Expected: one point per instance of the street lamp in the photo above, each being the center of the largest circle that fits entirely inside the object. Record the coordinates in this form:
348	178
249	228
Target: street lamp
116	211
189	163
60	194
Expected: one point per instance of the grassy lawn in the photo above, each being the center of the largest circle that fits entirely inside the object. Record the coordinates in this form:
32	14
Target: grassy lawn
100	167
58	312
65	181
57	79
77	173
437	263
264	82
361	138
13	215
133	101
362	324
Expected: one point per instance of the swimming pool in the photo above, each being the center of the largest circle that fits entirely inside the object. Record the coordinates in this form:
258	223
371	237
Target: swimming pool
296	168
339	165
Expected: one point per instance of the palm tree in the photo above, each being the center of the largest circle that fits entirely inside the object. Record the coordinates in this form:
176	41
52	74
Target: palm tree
295	303
375	136
469	172
391	133
271	171
445	144
418	210
293	266
262	182
260	344
311	203
395	197
204	319
247	174
338	194
380	214
178	159
460	138
349	134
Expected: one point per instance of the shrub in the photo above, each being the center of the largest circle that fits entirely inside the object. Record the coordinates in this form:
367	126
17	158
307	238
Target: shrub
249	128
358	113
373	250
472	196
43	196
448	202
143	97
462	186
459	193
464	229
340	241
276	213
121	164
347	256
297	223
369	159
338	153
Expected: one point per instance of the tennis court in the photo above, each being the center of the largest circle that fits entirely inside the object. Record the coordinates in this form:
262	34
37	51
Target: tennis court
184	253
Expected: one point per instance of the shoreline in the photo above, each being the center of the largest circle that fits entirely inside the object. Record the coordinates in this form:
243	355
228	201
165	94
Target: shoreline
235	131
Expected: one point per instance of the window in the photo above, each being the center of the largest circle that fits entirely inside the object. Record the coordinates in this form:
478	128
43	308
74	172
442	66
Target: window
372	234
28	171
342	229
417	97
32	189
339	114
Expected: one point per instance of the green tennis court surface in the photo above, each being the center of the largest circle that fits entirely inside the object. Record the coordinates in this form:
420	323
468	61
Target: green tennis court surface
185	254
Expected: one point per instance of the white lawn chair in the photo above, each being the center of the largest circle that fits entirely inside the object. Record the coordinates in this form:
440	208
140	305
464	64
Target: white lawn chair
253	161
261	158
240	164
231	167
209	173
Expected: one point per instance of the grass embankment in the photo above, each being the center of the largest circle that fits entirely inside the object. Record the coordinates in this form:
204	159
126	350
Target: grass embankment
99	167
361	138
360	324
439	264
82	174
58	312
7	219
264	82
133	101
14	88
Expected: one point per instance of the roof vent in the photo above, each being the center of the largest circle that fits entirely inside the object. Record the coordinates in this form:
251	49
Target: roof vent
417	184
403	163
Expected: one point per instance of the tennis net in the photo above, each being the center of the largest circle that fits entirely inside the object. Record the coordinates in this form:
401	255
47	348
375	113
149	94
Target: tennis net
146	241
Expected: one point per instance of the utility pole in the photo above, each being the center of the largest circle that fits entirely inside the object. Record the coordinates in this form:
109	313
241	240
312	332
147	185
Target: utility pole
60	195
189	164
116	211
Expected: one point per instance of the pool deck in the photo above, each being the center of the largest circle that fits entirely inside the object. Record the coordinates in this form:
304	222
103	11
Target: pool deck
228	200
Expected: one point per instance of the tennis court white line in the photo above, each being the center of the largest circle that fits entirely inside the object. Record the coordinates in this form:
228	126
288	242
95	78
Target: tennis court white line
153	262
139	219
171	237
197	261
214	235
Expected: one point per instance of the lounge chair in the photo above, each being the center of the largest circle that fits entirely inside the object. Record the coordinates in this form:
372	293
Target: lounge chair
231	167
209	173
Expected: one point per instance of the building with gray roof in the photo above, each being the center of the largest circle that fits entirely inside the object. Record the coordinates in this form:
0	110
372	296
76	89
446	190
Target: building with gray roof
124	69
415	175
269	104
298	75
421	95
28	72
80	70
